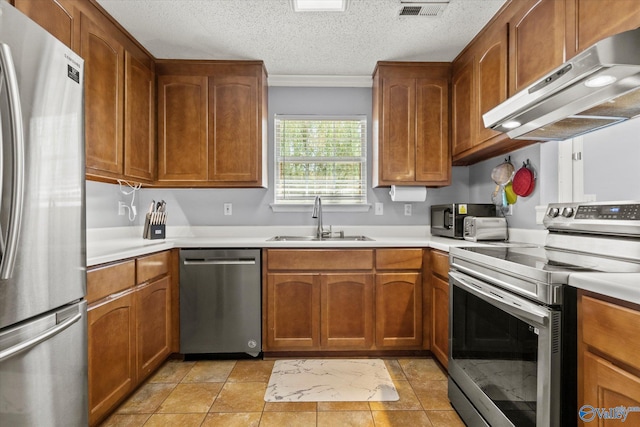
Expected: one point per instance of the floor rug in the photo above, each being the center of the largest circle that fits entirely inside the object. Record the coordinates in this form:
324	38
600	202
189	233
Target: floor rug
330	380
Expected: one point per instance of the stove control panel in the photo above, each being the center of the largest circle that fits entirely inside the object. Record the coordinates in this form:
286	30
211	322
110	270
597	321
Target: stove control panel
619	218
610	212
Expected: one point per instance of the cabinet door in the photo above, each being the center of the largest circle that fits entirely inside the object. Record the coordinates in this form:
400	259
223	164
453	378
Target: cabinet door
104	94
398	135
346	316
55	16
433	160
153	305
589	21
111	352
398	310
440	319
182	128
139	136
463	105
492	87
537	41
293	312
233	133
606	385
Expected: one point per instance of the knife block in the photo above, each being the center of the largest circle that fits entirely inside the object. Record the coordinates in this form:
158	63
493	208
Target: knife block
157	231
153	231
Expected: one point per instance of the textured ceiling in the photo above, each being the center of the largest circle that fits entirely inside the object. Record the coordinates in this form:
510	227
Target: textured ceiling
344	44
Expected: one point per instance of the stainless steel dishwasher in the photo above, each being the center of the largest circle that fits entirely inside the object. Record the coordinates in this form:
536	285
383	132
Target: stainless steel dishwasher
220	301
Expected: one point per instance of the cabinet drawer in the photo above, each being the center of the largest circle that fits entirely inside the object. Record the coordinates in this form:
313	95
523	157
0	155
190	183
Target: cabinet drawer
110	279
611	329
398	259
152	266
440	263
319	259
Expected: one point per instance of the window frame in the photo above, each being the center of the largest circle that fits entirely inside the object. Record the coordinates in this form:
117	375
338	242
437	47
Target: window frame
280	205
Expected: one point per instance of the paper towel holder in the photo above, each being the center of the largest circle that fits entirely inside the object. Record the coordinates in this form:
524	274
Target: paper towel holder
408	193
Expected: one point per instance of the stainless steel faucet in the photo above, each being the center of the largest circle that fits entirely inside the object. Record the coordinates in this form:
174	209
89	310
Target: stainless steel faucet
317	213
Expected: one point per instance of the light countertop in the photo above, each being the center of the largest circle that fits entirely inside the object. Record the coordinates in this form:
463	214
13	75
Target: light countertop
624	286
107	245
114	244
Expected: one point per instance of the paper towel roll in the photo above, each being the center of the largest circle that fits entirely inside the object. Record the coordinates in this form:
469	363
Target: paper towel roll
405	193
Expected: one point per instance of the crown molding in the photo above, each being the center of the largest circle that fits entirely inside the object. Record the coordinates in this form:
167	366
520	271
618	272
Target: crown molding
320	81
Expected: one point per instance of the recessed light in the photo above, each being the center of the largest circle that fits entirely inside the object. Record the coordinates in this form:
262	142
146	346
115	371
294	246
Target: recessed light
600	81
319	5
511	124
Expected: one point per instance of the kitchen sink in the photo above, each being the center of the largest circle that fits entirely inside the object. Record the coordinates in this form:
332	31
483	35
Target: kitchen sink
316	239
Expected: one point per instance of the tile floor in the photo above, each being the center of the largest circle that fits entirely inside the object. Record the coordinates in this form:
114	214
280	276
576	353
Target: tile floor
231	393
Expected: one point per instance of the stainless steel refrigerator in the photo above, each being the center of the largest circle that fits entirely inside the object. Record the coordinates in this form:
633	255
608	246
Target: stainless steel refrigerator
43	327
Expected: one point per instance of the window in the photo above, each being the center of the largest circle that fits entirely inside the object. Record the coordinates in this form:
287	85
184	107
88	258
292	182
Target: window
320	156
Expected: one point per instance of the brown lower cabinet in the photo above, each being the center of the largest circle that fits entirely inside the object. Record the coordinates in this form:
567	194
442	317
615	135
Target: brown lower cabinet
293	314
130	318
398	310
112	342
440	306
153	320
342	300
608	348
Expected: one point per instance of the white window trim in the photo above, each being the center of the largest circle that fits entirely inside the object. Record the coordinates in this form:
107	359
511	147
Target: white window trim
290	207
571	172
326	207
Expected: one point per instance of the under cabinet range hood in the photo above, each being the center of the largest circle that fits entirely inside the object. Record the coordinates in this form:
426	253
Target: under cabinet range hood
597	88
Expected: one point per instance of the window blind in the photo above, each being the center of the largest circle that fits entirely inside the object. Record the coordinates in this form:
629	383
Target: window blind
320	156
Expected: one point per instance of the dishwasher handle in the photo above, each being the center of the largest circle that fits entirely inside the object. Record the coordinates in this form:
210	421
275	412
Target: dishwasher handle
219	261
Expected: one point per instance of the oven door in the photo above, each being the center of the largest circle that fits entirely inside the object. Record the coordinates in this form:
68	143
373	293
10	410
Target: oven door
504	354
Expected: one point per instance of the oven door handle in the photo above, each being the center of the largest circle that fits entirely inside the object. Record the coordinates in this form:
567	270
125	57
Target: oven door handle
504	300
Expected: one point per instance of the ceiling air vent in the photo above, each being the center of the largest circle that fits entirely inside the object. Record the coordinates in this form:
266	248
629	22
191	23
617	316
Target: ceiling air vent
422	8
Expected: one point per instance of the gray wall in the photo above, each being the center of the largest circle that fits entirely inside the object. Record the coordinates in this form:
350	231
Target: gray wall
612	162
481	186
611	172
251	206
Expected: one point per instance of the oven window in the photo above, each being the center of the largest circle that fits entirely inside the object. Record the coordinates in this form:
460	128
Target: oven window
499	354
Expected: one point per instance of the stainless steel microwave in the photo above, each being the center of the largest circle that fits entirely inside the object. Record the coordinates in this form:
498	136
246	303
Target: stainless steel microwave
448	220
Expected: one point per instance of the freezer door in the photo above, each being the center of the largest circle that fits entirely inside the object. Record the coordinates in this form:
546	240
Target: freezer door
43	370
42	240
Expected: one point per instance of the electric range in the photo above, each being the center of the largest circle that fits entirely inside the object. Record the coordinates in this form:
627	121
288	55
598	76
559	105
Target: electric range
513	318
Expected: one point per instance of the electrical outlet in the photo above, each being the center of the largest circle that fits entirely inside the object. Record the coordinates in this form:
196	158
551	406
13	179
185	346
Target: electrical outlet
228	209
379	208
507	210
407	209
121	208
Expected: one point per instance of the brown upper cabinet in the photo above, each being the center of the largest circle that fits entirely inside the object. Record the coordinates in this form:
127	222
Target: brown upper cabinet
119	88
55	16
411	124
139	120
498	63
589	21
537	41
119	104
524	41
200	107
479	83
104	97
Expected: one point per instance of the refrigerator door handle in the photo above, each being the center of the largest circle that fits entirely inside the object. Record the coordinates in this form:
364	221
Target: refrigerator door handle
26	345
8	71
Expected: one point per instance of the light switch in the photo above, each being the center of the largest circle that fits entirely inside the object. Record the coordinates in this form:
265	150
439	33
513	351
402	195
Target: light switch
379	208
228	208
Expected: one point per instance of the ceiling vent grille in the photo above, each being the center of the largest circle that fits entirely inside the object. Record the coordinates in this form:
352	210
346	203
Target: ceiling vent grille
432	9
